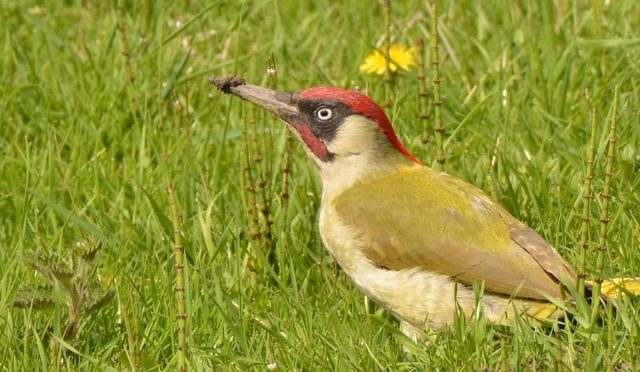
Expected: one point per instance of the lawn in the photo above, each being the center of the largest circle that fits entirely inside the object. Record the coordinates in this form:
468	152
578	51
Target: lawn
111	137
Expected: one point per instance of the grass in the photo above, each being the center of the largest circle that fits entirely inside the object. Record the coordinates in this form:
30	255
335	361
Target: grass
104	104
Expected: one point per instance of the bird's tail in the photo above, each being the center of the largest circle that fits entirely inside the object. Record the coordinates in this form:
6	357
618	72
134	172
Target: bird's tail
613	289
620	287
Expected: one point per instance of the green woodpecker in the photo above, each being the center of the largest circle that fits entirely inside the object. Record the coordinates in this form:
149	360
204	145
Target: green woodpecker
414	240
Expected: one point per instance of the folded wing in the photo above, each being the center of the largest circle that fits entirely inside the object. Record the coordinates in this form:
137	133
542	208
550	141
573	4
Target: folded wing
441	224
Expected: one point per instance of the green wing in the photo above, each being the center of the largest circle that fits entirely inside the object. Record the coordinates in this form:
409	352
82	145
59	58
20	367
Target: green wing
441	224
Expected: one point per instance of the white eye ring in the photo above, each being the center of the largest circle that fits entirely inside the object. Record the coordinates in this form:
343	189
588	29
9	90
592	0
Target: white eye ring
324	113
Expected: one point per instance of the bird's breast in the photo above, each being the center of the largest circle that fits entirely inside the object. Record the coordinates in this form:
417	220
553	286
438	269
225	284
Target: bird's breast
342	241
413	295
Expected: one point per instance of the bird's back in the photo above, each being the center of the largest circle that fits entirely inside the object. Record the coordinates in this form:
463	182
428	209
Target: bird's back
438	223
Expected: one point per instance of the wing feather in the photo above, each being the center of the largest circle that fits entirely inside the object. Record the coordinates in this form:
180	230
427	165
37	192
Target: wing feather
442	224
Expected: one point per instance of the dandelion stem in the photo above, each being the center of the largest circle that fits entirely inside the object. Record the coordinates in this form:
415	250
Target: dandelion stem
286	168
604	218
437	100
180	282
491	174
586	207
388	79
261	205
250	187
610	334
265	209
423	96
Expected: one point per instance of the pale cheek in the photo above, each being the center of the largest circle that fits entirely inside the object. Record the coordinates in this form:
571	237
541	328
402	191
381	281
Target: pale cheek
354	137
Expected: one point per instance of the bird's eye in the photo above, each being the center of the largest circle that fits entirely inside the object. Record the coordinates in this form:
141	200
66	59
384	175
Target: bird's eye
324	113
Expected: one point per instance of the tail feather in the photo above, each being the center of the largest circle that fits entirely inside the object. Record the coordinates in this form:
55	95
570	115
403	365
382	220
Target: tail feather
614	289
619	287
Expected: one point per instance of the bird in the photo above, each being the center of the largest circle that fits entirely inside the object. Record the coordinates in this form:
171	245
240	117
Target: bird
412	239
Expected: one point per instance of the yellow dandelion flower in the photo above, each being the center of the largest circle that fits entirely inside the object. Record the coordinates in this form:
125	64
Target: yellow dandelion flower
400	57
374	63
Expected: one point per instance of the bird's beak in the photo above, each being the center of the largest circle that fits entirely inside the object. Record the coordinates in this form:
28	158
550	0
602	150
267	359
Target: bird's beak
279	103
285	105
